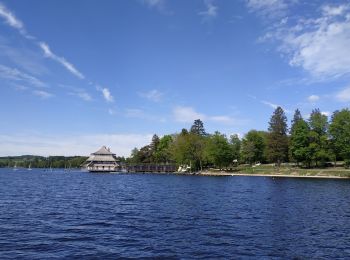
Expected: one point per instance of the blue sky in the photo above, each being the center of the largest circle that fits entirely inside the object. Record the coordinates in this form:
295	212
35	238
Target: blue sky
75	75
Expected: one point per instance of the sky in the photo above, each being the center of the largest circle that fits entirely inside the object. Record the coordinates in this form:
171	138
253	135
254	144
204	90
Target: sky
76	75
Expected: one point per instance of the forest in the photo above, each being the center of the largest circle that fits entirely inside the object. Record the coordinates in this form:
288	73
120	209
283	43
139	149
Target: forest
316	142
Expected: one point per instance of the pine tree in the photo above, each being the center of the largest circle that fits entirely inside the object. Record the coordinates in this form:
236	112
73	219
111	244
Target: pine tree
277	139
299	139
198	128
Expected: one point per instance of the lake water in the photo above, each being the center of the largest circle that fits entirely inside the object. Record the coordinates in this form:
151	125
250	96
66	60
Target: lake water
84	215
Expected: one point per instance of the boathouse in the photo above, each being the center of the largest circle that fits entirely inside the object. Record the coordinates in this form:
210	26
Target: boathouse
102	161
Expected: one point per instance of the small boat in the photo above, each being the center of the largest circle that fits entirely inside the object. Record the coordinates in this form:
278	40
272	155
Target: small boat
29	167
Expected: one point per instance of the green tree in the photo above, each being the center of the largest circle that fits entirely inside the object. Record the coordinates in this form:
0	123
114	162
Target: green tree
188	148
236	144
163	152
277	142
340	134
319	146
198	128
299	140
253	146
153	147
219	150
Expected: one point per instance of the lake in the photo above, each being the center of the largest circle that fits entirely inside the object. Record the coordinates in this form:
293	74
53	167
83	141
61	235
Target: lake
76	214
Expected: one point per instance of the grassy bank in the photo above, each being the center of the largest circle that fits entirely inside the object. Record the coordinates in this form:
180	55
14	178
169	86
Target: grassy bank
283	171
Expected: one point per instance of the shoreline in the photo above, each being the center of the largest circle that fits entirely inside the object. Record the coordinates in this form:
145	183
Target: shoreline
273	175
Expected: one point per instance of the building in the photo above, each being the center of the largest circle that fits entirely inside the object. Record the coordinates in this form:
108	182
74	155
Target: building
102	161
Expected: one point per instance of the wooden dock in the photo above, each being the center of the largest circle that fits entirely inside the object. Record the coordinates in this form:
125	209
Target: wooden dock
156	168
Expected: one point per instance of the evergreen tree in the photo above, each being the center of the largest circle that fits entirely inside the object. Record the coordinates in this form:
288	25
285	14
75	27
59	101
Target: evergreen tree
340	134
299	140
153	147
296	118
198	128
277	142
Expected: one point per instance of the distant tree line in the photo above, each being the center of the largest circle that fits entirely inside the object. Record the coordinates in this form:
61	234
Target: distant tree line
315	142
33	161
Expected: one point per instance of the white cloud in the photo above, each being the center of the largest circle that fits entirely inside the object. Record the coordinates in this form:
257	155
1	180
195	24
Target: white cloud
13	21
326	113
70	67
318	45
313	98
343	95
184	114
10	18
153	95
13	74
121	144
271	8
107	95
334	10
274	106
81	94
211	10
23	57
42	94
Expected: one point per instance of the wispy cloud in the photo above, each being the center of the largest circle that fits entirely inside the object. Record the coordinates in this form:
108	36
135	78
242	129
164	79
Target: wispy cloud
13	21
211	10
13	74
142	114
317	45
10	18
269	8
106	93
43	94
152	95
121	144
154	3
185	114
343	95
69	66
313	98
82	94
274	106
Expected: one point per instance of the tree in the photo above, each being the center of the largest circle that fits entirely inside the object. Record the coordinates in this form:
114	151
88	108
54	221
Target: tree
236	143
340	134
299	140
163	153
189	149
253	146
296	118
277	142
153	147
219	151
319	147
198	128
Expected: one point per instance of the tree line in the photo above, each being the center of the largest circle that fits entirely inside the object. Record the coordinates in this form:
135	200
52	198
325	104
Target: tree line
26	161
313	142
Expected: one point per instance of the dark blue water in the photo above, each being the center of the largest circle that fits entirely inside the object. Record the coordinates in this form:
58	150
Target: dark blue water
83	215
